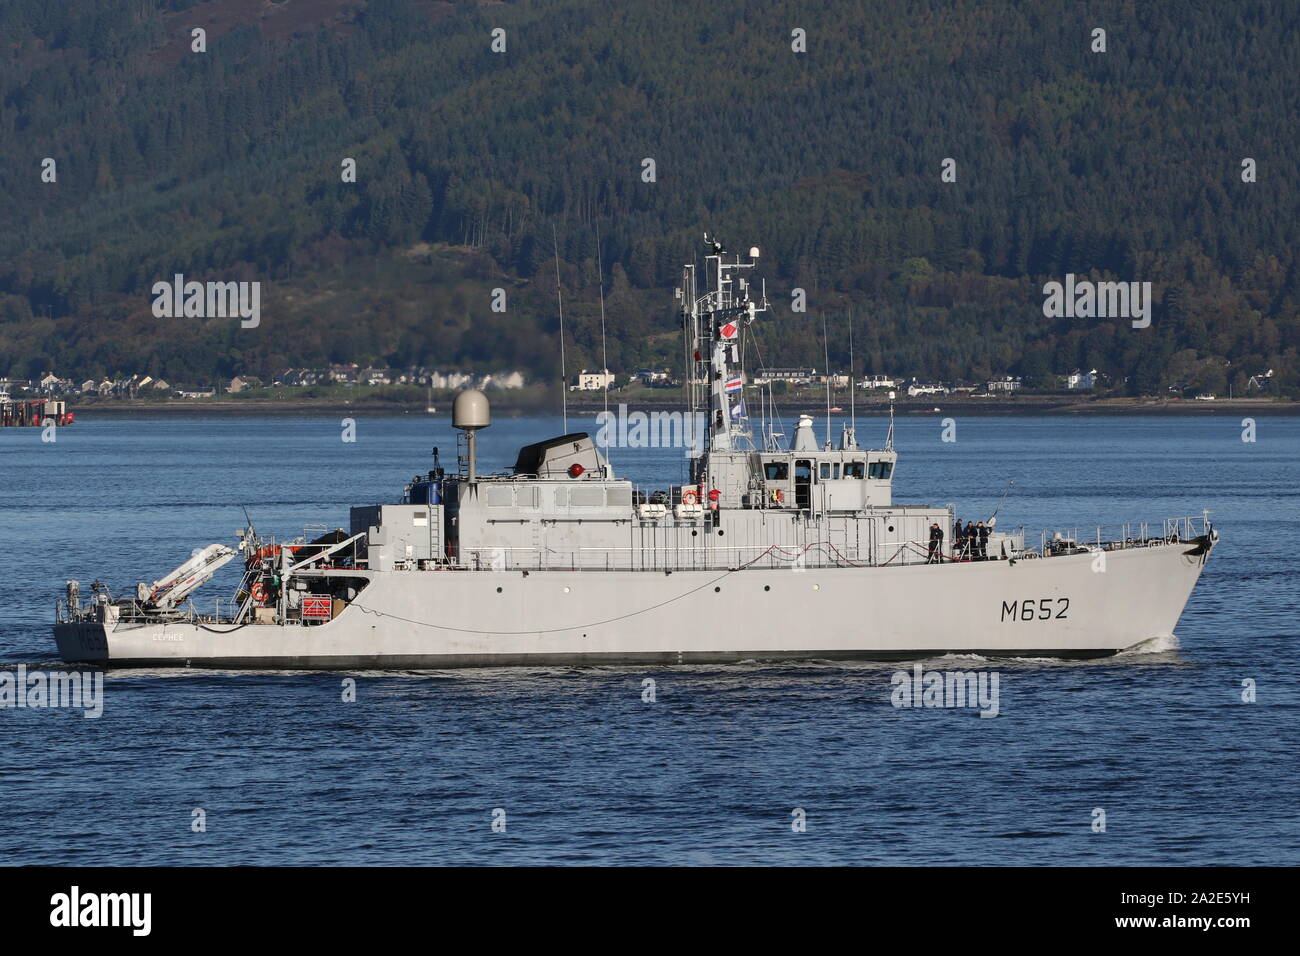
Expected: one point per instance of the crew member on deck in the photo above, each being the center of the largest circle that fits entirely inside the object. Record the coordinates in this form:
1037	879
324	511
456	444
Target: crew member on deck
936	544
958	539
984	541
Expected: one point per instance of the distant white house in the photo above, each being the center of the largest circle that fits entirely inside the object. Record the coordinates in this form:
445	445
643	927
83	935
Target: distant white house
87	386
877	381
504	380
649	376
916	388
593	381
1081	380
449	379
1004	384
243	382
795	376
1259	380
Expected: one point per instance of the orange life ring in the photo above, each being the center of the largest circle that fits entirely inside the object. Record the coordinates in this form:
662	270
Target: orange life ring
258	592
778	495
689	497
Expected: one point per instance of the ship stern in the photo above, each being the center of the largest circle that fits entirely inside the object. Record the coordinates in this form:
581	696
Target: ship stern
82	642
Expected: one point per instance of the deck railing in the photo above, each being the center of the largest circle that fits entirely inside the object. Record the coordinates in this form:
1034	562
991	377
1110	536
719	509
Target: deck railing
826	554
818	554
1133	534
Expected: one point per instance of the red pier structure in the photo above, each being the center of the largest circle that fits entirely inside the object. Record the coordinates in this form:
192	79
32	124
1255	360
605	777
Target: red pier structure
35	412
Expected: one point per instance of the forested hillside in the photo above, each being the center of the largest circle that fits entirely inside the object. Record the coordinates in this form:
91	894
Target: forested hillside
226	164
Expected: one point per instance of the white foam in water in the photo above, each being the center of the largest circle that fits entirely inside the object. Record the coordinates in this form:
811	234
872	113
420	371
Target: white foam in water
979	658
1157	645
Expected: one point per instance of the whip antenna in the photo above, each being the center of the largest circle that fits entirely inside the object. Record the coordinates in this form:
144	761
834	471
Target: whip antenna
826	348
853	383
1003	499
604	355
559	296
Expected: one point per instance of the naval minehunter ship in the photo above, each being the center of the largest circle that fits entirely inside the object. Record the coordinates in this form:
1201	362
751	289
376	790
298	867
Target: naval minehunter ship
766	553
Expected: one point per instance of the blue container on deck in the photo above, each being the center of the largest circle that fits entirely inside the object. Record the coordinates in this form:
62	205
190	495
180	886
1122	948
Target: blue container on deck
426	493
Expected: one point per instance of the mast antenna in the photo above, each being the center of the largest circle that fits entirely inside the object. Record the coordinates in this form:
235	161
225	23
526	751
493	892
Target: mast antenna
604	355
853	383
993	519
826	349
889	436
559	295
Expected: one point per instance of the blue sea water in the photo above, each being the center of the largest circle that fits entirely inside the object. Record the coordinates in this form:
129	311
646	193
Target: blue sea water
711	772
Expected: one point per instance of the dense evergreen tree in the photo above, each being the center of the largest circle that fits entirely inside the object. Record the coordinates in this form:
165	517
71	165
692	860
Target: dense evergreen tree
226	164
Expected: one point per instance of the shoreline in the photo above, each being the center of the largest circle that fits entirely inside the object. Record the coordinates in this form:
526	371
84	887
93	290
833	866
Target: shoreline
970	407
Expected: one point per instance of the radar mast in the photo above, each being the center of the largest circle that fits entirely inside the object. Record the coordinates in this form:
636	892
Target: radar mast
716	320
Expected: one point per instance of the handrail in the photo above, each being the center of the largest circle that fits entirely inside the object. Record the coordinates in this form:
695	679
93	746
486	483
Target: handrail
824	553
322	554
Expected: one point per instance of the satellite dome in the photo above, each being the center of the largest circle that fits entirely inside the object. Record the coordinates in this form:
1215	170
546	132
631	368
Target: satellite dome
471	410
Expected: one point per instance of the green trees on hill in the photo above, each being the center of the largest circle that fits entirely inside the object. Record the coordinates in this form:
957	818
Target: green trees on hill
227	164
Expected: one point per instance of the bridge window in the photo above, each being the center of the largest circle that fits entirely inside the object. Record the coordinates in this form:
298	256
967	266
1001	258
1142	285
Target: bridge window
776	470
854	469
880	469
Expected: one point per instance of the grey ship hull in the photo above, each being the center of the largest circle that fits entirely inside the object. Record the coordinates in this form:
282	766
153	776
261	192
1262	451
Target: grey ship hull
1032	607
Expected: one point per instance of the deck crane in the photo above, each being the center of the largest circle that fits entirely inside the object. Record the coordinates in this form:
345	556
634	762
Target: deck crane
171	589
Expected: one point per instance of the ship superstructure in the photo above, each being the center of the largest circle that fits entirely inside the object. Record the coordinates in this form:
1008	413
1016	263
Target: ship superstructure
765	552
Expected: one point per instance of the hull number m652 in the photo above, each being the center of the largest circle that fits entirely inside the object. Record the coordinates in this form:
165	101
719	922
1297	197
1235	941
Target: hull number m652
1042	609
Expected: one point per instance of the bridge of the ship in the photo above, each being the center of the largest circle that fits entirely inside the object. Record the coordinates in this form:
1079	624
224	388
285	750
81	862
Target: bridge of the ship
529	523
